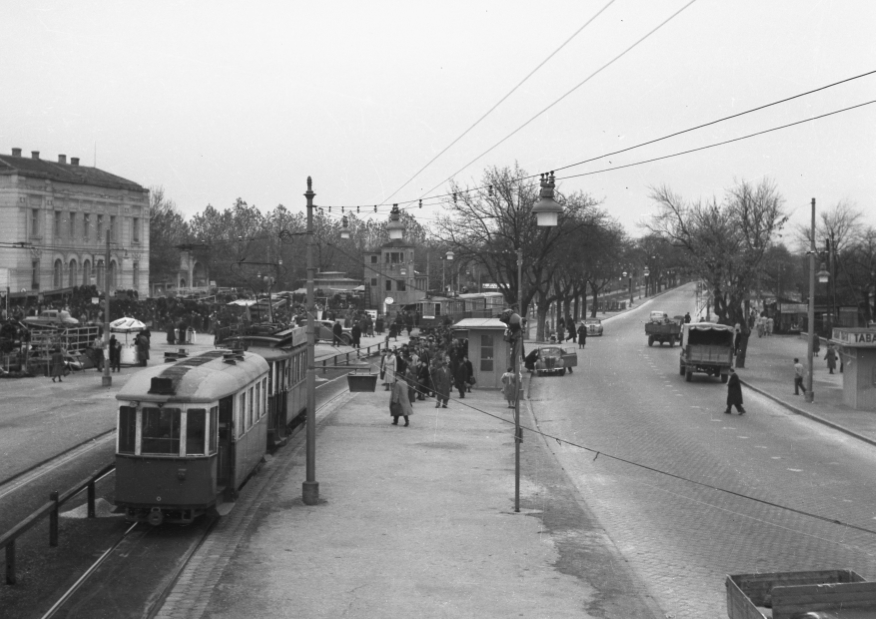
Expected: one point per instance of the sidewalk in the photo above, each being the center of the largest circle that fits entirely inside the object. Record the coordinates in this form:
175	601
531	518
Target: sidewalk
413	521
770	370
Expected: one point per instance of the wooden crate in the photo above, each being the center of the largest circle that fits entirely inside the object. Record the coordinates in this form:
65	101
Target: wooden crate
795	592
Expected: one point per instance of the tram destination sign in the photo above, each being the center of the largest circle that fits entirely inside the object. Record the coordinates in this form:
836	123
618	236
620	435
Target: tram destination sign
856	338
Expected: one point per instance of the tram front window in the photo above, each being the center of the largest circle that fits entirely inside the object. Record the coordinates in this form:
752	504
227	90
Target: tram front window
127	429
196	431
161	430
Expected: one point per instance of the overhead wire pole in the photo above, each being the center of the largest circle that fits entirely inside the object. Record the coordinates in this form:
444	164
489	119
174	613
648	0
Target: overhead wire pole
310	487
809	396
106	380
518	383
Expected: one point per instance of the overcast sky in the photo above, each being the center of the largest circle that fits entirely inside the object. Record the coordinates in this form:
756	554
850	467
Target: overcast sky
219	100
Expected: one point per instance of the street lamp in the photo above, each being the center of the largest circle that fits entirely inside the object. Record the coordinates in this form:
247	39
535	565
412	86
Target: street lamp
547	210
310	487
444	259
395	227
648	285
630	280
345	229
823	278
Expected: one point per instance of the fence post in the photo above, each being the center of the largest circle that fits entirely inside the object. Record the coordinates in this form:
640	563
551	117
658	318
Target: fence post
91	512
348	359
10	563
323	366
53	520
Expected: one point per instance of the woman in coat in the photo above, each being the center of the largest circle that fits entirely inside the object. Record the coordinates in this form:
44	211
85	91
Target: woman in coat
57	365
734	393
830	355
399	402
388	369
143	349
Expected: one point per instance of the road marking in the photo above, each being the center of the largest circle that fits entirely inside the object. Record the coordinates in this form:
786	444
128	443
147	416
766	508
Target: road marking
796	470
776	457
741	437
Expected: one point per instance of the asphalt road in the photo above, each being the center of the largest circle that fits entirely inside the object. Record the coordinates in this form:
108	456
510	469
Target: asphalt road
683	536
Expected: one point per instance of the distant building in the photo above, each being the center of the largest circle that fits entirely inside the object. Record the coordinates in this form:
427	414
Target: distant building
54	217
390	274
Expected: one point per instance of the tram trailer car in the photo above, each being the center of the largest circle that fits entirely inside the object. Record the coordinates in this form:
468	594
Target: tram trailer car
190	434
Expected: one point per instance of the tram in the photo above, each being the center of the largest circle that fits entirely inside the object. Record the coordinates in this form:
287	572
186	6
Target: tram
190	433
438	310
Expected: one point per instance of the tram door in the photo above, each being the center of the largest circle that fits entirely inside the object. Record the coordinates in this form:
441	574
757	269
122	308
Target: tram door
225	466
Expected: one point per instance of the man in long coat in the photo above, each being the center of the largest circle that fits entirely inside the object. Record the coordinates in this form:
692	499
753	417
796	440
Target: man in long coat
734	393
441	380
460	378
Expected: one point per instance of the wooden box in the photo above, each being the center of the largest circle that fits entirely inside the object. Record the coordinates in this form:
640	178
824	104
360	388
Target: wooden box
780	595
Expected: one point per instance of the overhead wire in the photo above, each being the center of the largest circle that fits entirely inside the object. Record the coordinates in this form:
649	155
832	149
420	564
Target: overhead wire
502	100
569	92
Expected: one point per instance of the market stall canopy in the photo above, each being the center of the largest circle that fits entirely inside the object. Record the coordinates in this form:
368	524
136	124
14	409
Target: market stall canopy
126	325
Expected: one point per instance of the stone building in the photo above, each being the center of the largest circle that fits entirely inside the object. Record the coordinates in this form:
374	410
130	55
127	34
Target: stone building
54	216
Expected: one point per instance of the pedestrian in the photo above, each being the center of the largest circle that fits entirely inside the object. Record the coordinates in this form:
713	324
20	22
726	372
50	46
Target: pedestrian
171	334
830	355
337	332
573	333
816	345
798	377
460	378
411	380
387	369
687	317
734	393
399	404
143	349
509	387
58	366
97	347
356	333
115	354
441	379
582	335
471	377
423	380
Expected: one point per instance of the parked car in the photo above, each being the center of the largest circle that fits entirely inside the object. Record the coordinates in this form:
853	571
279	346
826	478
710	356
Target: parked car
593	326
555	360
51	318
324	332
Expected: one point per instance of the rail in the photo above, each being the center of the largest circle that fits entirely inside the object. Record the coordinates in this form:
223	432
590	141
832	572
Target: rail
331	361
50	509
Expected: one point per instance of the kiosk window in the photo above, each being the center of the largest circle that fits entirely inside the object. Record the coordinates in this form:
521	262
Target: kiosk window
487	353
127	429
161	431
196	431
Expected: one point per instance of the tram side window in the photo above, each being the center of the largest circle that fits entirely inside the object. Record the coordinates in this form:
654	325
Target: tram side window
196	431
258	400
161	431
241	411
214	428
127	429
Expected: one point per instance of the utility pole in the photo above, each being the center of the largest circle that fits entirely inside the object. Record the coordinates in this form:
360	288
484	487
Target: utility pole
107	379
810	395
517	349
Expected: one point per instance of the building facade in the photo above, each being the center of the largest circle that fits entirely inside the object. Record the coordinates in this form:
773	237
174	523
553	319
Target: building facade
54	218
390	274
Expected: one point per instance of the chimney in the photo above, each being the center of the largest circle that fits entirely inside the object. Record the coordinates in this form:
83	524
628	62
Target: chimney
35	154
16	152
62	159
74	160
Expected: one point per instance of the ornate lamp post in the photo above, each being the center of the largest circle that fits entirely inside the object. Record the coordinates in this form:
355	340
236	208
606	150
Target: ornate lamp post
395	227
823	278
345	230
310	487
448	257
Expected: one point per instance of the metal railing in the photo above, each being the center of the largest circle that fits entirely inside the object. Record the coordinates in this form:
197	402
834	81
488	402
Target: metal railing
50	509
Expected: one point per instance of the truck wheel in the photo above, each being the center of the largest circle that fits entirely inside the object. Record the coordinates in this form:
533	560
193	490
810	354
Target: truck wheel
681	370
671	342
650	341
688	375
725	378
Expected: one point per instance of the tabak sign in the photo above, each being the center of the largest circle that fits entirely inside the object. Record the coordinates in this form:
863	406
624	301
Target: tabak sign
857	338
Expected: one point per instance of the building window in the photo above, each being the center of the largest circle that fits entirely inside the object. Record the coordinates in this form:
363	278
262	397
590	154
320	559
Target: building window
487	353
57	224
57	273
101	281
35	275
373	281
395	257
374	259
135	229
86	223
71	280
401	285
112	227
113	271
72	226
99	228
389	284
136	275
86	273
35	222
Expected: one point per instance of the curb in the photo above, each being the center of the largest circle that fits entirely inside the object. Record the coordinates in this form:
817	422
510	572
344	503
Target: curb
812	416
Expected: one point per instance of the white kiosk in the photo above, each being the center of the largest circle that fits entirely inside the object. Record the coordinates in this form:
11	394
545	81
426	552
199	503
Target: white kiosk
126	331
858	350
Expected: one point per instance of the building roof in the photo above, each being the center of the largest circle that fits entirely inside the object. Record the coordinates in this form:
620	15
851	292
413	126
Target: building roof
63	173
480	323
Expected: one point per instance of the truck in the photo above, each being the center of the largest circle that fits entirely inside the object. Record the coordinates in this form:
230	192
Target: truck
663	329
708	348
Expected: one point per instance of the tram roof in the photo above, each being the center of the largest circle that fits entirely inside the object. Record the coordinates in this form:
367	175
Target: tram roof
205	377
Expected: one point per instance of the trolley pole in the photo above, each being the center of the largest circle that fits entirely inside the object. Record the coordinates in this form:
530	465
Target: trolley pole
518	383
310	487
106	380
